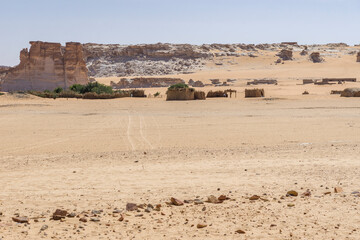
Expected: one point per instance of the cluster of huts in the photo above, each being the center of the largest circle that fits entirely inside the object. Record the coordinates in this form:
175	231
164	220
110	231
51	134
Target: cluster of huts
183	92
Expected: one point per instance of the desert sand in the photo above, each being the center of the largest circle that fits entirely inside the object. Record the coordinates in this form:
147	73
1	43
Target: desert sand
86	155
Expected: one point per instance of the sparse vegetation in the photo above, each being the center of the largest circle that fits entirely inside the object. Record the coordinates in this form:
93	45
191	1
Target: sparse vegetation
157	94
178	86
58	90
89	91
93	87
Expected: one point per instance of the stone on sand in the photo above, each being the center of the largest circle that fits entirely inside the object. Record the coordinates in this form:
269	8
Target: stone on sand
20	219
176	202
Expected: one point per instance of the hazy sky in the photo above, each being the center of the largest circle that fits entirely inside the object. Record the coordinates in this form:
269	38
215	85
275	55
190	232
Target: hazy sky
175	21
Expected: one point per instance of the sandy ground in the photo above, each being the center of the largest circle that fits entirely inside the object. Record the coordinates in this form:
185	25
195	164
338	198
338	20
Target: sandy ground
85	155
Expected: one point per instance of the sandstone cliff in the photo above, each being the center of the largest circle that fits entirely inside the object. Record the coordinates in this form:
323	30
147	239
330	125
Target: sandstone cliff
47	66
3	71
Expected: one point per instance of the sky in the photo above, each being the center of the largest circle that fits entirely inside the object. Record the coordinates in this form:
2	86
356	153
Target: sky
175	21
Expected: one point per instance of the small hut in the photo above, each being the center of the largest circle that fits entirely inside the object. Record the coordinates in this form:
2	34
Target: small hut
213	94
256	92
199	95
180	91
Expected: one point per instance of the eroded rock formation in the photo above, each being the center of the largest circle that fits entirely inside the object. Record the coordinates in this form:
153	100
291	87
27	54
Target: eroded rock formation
316	58
285	54
3	71
358	57
47	66
145	59
198	84
304	52
105	60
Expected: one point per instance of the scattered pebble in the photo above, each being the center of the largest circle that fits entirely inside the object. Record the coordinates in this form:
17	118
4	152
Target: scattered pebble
254	197
292	193
201	225
176	202
20	219
239	231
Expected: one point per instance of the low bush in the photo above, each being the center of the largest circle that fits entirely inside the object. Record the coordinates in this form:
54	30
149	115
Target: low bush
97	91
77	88
58	90
94	87
178	86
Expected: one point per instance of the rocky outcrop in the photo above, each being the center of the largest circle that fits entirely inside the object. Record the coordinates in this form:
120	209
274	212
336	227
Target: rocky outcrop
105	60
47	66
290	43
262	81
3	71
358	57
337	45
304	52
145	82
351	92
315	57
198	84
74	65
285	54
145	59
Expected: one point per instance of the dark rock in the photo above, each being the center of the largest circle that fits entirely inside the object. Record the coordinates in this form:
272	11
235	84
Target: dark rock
59	214
316	58
176	202
239	231
131	207
44	227
285	54
71	215
20	219
201	225
213	199
254	197
94	219
292	193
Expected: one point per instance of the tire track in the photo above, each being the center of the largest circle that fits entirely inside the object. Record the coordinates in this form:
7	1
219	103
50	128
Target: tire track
141	120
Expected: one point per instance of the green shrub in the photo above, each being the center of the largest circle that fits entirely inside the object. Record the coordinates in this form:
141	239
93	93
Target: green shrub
157	94
77	88
58	90
178	85
91	87
1	94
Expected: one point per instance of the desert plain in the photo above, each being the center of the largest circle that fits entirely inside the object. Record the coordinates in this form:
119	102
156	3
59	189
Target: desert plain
93	157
